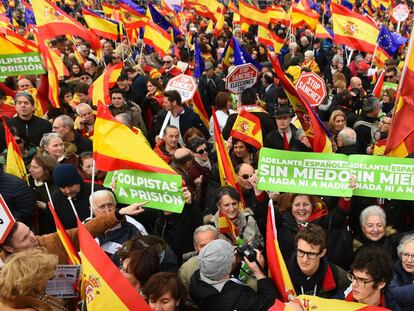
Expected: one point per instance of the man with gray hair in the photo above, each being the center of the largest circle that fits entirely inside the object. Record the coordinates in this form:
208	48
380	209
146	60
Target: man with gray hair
65	127
212	288
201	237
337	64
346	141
103	202
86	121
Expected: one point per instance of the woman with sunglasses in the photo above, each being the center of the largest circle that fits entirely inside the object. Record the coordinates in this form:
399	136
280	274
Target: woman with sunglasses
230	210
242	152
200	169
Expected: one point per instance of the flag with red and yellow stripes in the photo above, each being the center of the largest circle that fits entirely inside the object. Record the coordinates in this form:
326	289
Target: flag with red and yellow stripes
99	90
247	128
270	39
157	38
14	161
73	257
227	227
104	284
400	141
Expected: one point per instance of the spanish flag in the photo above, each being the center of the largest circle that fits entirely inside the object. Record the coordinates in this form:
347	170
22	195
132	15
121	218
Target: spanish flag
100	26
8	47
132	18
108	8
277	266
301	17
99	90
53	22
353	29
199	109
73	257
269	39
253	16
157	38
116	147
247	128
227	227
378	85
14	161
278	15
312	125
105	286
400	141
323	32
20	41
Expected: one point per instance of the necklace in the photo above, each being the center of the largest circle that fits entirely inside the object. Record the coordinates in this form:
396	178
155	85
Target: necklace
46	299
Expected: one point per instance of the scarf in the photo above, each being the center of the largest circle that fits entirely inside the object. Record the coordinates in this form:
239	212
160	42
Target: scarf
203	163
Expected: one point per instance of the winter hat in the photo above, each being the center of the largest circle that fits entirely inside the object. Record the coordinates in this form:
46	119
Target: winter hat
66	175
216	259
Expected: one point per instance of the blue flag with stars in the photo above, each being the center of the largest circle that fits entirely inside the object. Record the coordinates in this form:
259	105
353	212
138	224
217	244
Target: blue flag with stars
161	20
240	55
389	41
199	65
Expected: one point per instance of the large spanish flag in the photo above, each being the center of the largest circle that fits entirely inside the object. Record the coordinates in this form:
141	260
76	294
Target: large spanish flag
99	89
315	130
131	18
198	107
105	286
400	141
353	29
20	41
8	47
277	266
301	17
53	22
14	161
253	16
157	38
116	147
73	257
270	39
100	25
247	128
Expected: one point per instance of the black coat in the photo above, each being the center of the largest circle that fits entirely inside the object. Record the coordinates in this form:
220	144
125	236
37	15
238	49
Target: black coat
266	121
18	197
233	296
270	98
81	202
32	131
364	133
188	119
275	141
82	144
209	89
402	287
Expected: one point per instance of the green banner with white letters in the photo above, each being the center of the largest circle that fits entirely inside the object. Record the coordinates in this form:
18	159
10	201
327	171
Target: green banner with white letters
161	191
329	174
21	64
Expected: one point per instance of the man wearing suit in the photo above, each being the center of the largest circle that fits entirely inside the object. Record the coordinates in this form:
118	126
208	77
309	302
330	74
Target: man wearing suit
282	138
270	92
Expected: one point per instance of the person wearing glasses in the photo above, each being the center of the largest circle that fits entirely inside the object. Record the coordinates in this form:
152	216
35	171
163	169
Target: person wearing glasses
402	283
370	274
168	70
310	270
391	74
381	136
229	206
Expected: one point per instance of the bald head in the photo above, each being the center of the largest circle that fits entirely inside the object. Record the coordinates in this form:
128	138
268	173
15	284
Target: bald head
356	83
182	157
24	84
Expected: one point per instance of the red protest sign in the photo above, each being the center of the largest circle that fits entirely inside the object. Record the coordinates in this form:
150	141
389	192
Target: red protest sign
312	88
184	84
6	220
241	78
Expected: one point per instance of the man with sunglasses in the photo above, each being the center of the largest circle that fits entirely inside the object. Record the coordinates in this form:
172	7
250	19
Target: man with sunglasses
309	268
391	74
370	273
168	70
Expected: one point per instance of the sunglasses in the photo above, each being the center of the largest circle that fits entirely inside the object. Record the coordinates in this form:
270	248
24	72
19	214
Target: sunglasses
389	77
167	62
201	151
246	176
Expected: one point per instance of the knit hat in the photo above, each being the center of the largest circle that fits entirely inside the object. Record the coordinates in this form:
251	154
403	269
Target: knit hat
216	259
66	175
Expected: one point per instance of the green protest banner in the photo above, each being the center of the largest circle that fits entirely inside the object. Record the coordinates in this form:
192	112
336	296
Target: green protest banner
162	191
21	64
329	174
388	85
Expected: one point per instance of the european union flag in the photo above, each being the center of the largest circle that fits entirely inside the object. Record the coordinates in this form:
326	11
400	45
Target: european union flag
134	6
199	65
161	21
29	17
240	55
389	41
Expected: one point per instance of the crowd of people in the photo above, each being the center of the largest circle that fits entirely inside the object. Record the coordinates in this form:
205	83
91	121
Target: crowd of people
353	248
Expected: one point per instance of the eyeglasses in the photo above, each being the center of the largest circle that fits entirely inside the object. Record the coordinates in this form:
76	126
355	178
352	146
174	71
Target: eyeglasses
246	176
167	61
389	77
359	281
201	151
405	256
311	256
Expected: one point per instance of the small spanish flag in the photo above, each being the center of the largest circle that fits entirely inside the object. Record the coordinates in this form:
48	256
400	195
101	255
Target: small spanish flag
227	227
247	128
14	161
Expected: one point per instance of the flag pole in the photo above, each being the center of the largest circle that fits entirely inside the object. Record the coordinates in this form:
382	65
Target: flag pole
164	124
49	196
349	57
92	183
73	207
375	52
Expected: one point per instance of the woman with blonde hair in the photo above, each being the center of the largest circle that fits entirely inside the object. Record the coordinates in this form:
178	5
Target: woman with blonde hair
23	280
63	152
336	123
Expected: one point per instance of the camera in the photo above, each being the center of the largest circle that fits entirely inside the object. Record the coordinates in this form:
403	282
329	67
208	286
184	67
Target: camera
247	250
